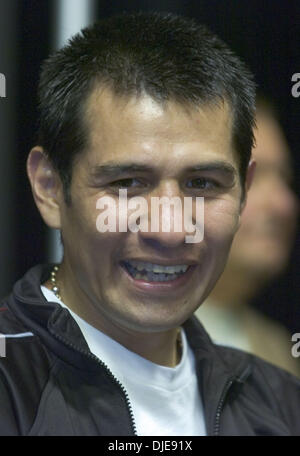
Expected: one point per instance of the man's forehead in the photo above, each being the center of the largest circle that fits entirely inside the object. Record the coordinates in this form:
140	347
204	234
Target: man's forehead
143	132
104	107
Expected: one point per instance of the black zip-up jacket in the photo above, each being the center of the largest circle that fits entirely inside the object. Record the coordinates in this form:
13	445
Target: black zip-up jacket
51	384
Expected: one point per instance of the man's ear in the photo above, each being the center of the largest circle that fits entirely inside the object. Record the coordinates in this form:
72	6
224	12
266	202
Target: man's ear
248	182
46	186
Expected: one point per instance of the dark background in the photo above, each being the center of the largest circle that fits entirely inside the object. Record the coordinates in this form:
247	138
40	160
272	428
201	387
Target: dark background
266	34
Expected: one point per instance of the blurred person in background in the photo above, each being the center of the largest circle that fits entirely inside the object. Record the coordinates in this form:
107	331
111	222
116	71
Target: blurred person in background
259	252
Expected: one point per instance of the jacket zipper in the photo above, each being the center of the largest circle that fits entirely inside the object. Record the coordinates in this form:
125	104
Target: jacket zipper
111	375
228	385
220	406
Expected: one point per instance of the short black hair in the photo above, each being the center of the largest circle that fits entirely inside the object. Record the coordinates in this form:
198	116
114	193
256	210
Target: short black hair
166	56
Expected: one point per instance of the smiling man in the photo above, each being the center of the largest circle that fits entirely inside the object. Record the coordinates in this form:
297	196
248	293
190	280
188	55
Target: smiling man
104	342
164	144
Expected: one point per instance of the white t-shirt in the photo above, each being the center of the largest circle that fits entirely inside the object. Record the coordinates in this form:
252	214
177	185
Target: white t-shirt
165	400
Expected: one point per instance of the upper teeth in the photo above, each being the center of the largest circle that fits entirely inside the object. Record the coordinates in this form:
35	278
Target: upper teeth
150	267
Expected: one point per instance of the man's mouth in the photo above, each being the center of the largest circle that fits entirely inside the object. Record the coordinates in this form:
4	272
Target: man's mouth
151	272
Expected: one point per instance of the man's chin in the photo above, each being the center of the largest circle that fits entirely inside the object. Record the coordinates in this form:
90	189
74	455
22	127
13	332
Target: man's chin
152	317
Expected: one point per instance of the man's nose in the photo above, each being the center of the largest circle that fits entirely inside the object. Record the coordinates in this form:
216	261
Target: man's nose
165	217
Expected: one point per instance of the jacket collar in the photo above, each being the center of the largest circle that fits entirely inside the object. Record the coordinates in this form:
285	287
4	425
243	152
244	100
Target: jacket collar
49	321
58	330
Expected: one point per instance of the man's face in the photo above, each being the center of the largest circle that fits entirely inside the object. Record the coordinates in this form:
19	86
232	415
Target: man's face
176	152
263	242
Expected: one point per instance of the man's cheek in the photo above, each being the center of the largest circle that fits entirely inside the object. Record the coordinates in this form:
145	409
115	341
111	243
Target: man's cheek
221	221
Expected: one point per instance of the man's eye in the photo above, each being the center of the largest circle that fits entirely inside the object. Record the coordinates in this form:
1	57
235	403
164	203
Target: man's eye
202	183
126	183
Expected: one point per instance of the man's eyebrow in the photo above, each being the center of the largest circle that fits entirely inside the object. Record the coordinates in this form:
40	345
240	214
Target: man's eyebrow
217	166
114	169
110	170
